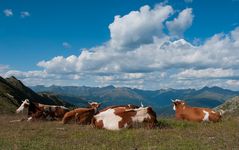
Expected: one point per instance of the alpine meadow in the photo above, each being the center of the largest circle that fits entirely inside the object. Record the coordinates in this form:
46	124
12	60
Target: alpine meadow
137	75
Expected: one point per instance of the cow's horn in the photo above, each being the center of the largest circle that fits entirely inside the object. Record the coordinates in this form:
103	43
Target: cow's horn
142	104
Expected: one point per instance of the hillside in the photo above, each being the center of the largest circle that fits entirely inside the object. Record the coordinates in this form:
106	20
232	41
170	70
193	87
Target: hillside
13	91
230	107
160	100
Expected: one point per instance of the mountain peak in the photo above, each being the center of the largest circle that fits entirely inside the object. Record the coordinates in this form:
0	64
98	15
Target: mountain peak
110	87
14	81
211	88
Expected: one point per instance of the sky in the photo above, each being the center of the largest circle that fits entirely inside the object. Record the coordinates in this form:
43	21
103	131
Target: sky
145	44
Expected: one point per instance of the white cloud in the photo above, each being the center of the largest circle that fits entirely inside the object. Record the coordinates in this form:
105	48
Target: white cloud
139	27
24	14
233	83
216	58
178	25
28	74
140	54
8	12
66	45
206	73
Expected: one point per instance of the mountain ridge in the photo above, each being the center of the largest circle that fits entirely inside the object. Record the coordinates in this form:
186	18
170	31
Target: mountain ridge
13	91
160	100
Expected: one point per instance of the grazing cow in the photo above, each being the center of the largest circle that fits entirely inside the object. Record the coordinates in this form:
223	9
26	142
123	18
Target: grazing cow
185	112
42	111
82	115
116	118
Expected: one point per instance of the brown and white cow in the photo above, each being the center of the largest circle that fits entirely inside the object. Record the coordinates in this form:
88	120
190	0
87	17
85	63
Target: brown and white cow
42	111
129	106
117	118
82	115
185	112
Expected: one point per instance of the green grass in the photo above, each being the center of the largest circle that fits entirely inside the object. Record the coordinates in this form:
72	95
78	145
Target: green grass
171	134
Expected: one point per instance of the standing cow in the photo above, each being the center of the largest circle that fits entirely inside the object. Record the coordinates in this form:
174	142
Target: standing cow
185	112
116	118
41	111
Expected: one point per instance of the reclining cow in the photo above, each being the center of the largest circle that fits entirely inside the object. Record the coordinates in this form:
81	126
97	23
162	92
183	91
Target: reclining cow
129	106
41	111
116	118
82	116
185	112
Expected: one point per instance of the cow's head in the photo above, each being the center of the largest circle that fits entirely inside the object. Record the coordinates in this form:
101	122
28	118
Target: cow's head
25	104
94	104
177	104
145	114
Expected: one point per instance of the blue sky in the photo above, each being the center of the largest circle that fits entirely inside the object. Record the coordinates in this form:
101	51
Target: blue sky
38	38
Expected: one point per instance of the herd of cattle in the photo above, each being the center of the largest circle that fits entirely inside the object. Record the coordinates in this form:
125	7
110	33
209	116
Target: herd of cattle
114	117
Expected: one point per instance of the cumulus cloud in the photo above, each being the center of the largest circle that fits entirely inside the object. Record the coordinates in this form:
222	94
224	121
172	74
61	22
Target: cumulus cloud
215	58
139	27
206	73
8	12
184	20
141	54
24	14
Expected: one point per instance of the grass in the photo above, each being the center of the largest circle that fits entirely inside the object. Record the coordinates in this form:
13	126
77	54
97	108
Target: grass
171	134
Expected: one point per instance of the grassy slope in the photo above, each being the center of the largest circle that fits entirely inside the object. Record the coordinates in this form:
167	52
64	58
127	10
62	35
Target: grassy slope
177	135
6	105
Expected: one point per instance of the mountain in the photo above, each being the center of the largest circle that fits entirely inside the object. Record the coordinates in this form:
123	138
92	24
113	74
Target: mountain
160	100
13	91
70	101
231	106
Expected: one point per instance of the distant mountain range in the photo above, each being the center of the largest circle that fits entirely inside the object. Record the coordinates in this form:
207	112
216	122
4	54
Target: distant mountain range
13	91
160	100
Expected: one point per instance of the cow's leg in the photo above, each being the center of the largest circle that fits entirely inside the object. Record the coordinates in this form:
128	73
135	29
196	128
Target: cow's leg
29	118
77	118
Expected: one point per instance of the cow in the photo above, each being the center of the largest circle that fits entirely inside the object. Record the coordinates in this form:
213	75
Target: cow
196	114
129	106
82	116
116	118
41	111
